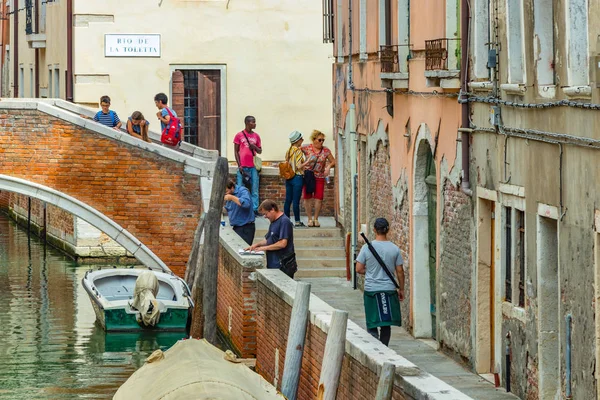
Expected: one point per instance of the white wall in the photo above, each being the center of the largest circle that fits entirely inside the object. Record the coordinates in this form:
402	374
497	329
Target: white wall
278	68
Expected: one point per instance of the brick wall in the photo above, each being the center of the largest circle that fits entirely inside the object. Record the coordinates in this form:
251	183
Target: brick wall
273	187
273	320
382	202
236	300
261	305
59	223
4	200
150	196
454	276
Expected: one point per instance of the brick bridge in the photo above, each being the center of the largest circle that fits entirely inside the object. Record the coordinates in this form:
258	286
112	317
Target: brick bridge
144	196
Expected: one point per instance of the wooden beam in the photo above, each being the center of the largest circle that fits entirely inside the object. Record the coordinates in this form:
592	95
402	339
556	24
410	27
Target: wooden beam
211	249
295	343
335	347
386	382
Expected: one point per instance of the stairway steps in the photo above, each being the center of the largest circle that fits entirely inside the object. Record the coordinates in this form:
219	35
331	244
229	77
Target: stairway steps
321	262
320	273
337	252
308	233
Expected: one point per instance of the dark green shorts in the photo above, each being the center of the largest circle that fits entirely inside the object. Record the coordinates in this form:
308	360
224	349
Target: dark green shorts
382	309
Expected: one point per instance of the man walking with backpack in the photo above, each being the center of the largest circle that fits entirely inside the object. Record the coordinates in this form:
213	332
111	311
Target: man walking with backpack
246	146
170	126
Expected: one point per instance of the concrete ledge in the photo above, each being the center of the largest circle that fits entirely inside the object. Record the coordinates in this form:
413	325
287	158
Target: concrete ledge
363	347
232	242
91	215
443	74
578	92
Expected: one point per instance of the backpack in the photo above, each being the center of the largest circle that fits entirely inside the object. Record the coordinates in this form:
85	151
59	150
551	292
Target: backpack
171	135
285	168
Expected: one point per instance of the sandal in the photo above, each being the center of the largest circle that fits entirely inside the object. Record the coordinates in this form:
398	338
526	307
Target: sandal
316	223
311	223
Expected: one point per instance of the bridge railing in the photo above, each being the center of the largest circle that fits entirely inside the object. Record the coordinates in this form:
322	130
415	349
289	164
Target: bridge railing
87	112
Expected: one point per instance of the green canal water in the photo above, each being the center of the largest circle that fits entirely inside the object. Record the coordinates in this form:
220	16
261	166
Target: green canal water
50	347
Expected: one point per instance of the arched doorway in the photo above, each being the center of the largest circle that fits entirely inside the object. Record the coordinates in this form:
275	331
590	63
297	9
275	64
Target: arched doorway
424	240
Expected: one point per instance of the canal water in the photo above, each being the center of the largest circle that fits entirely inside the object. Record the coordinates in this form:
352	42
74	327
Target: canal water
50	347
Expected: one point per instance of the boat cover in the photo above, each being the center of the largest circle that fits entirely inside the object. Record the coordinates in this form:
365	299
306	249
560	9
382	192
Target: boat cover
144	298
196	370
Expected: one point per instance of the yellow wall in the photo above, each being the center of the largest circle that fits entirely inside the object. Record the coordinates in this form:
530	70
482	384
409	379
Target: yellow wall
277	67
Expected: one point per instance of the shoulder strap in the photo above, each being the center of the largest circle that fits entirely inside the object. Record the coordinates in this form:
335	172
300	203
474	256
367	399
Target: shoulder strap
244	132
380	261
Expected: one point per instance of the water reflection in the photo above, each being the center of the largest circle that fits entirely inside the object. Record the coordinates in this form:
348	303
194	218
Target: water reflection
50	347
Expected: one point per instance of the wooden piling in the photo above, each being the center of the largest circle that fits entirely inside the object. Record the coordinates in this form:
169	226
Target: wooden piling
295	343
386	382
335	347
194	259
204	322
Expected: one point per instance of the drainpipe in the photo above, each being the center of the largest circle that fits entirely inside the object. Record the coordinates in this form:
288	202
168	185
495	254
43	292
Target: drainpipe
37	53
465	129
15	50
353	151
568	320
354	177
69	72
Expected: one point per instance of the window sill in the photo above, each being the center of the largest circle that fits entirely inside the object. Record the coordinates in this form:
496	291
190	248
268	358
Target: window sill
443	74
517	89
578	92
394	80
481	86
509	310
36	40
547	91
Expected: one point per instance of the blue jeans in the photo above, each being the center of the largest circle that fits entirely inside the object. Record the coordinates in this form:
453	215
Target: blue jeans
254	190
293	192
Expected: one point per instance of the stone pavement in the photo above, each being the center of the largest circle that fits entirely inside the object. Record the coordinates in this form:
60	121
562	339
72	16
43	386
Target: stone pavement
338	293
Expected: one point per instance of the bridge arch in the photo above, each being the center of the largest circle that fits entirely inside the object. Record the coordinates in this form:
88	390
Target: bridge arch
89	214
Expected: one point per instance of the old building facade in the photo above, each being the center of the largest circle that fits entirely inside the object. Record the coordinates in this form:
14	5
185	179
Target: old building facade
535	140
218	60
396	120
501	255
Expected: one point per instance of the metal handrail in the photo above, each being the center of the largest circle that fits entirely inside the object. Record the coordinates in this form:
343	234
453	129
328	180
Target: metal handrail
389	57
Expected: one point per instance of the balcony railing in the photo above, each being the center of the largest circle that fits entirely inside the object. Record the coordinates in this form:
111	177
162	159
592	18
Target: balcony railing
28	17
441	54
388	56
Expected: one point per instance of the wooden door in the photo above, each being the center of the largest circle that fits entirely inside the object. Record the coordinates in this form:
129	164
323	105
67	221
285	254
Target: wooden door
209	109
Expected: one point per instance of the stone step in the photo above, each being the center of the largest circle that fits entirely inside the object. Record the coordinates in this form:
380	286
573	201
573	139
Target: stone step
302	242
337	252
320	273
321	262
308	232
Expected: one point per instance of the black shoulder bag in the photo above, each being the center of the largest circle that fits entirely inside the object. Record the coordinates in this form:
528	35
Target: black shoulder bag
310	182
379	260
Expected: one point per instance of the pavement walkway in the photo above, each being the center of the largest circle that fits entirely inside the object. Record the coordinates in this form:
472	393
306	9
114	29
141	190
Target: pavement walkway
338	293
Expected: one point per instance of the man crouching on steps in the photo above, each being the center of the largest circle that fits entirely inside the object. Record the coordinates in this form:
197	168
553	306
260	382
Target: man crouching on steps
279	241
239	208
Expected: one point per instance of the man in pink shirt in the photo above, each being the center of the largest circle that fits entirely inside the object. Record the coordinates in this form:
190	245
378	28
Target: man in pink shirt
246	146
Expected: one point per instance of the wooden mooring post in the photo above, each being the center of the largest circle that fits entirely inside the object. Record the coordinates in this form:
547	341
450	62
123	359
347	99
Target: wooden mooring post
204	320
335	347
194	259
295	343
386	382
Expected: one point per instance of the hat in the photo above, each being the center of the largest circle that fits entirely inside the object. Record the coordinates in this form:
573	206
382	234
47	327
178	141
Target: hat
295	136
